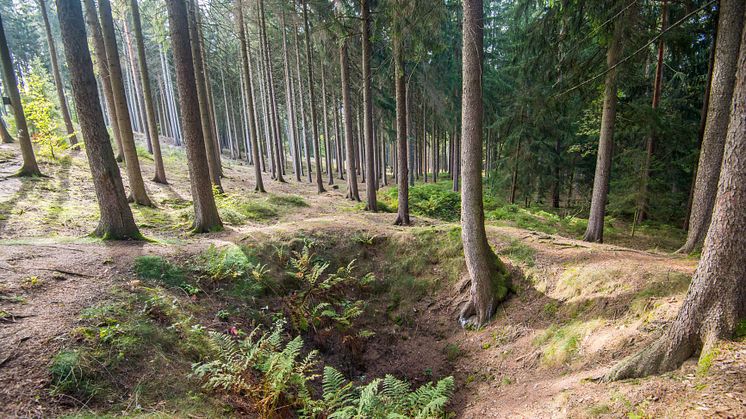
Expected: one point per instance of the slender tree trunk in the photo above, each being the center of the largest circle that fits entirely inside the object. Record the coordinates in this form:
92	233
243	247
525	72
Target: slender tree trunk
338	142
57	77
643	199
488	276
116	220
206	217
29	166
203	97
137	186
290	102
702	125
327	139
312	96
6	137
160	171
245	68
595	230
279	163
716	302
302	105
352	193
102	64
730	23
457	163
370	185
400	84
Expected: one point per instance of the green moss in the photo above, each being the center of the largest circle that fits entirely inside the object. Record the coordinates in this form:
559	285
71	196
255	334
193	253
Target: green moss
706	360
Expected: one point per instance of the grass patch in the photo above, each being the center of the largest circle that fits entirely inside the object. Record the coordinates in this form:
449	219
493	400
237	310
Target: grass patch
293	201
560	344
519	252
135	349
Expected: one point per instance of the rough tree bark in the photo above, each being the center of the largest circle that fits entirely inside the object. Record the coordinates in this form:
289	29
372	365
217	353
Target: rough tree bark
595	230
136	184
116	220
202	96
370	184
487	274
716	301
160	171
57	77
29	166
730	23
102	64
206	216
250	102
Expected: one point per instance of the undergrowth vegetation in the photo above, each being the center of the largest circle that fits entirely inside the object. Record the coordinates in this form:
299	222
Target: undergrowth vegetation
277	377
175	338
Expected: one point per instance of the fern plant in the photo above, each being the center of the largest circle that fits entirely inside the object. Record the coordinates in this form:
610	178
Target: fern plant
261	368
381	398
321	299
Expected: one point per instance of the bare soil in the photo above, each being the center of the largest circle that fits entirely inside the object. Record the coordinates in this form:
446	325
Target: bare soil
50	270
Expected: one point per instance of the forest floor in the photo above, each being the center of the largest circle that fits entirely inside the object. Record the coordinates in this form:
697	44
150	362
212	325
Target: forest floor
577	308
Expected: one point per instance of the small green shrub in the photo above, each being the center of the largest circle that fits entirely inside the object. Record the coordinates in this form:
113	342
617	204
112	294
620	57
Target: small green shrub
452	352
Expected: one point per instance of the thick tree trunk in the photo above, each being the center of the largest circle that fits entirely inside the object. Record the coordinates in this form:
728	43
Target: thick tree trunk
488	276
352	193
730	23
138	193
116	220
643	199
595	230
206	216
102	64
716	301
203	97
402	214
253	135
370	184
57	77
29	166
160	171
